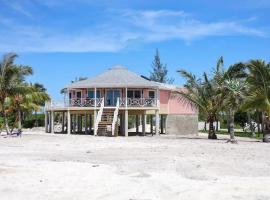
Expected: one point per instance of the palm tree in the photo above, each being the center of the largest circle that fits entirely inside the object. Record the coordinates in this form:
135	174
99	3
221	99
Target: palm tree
235	91
11	77
259	92
204	96
209	95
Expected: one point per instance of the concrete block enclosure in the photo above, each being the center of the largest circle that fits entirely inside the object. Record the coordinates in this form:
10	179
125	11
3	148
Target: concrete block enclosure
120	103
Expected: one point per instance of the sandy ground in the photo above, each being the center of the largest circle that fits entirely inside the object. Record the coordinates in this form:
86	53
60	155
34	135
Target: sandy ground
49	167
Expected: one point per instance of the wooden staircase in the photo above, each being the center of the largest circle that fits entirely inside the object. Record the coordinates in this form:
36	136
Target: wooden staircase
105	125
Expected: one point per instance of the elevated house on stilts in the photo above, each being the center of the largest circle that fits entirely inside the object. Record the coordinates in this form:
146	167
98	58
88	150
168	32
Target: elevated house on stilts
120	103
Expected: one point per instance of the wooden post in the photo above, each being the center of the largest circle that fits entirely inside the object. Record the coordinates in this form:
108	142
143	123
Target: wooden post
151	124
137	124
95	95
95	118
157	122
143	124
45	122
63	122
161	124
68	122
90	123
52	121
126	98
85	123
126	123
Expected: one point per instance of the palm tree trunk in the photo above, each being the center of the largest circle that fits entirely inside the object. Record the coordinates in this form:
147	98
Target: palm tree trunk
211	133
251	125
205	123
6	123
36	120
19	120
231	125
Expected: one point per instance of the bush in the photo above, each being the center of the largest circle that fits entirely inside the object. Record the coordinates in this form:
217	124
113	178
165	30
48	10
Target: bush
31	120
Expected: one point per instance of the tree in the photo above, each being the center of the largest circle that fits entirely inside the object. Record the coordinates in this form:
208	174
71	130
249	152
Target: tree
204	96
235	91
11	77
159	71
258	96
208	94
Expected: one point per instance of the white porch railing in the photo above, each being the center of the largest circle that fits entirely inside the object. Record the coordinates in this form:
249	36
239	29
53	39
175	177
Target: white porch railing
85	102
138	102
90	102
115	116
99	115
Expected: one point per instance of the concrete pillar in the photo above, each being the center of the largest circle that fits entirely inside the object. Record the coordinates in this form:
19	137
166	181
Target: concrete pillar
90	123
85	123
95	118
161	124
52	121
143	124
151	124
63	122
46	122
68	122
137	124
157	122
126	123
73	123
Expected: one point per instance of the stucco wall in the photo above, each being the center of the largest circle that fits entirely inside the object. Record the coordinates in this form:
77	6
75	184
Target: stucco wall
172	104
184	124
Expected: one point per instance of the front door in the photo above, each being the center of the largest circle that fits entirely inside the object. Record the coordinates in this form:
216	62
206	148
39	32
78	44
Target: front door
111	97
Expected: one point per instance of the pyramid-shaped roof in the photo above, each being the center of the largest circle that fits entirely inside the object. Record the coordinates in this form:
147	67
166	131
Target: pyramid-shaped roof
115	77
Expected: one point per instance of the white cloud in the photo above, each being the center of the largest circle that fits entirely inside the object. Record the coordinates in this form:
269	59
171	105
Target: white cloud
125	28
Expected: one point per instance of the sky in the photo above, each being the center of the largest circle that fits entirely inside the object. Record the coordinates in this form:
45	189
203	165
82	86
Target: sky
65	39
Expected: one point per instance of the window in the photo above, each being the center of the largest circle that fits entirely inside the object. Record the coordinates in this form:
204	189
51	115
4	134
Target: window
137	94
151	94
134	93
130	94
79	95
90	94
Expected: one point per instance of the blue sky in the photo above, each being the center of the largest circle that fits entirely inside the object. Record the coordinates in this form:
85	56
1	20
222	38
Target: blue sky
64	39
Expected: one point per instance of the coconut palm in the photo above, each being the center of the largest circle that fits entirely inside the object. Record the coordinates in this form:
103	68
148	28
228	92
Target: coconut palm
11	77
259	92
204	96
209	94
28	99
235	91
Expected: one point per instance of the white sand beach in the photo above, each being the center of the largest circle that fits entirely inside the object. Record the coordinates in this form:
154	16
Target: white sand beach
53	167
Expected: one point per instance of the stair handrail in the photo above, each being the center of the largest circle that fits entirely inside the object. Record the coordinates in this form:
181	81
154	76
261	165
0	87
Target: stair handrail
115	116
99	115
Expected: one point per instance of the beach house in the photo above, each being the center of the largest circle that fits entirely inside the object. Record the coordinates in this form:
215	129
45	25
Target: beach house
119	102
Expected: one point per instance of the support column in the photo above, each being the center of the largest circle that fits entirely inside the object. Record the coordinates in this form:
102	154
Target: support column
85	123
63	122
143	123
68	122
52	121
95	118
90	123
46	122
137	124
126	123
161	124
49	122
74	123
157	122
151	124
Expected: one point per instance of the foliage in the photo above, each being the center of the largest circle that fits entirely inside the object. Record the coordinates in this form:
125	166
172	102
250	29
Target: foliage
159	71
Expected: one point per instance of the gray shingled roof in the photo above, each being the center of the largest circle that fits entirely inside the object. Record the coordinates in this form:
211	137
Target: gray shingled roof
115	77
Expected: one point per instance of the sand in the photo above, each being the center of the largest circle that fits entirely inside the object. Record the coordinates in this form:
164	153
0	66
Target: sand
49	167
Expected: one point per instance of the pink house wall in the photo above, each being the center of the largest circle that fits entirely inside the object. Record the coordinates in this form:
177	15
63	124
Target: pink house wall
172	104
